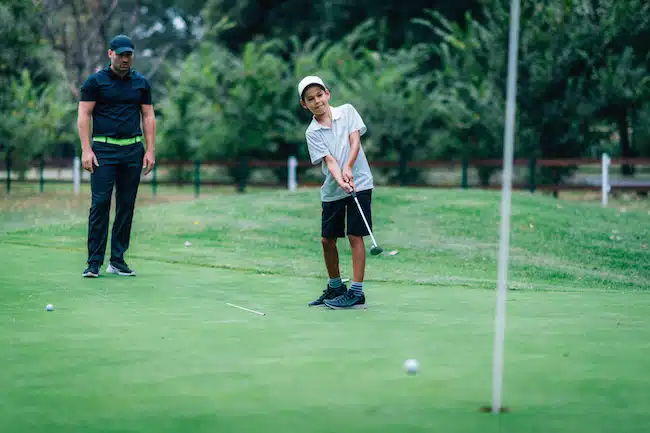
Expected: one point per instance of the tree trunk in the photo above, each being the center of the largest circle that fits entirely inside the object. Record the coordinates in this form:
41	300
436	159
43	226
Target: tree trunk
403	168
626	149
484	174
243	173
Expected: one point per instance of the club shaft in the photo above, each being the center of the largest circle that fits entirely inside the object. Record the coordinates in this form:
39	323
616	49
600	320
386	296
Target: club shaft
245	309
374	242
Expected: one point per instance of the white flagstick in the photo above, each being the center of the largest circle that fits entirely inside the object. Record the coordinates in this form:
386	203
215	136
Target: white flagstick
504	244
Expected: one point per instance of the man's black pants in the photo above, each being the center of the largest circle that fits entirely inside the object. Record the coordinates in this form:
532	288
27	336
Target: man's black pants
119	166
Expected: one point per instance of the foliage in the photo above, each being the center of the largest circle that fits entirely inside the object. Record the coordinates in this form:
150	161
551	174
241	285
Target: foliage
36	119
578	73
226	106
428	83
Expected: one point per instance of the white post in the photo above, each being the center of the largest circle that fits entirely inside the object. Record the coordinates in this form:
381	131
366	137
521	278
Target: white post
76	174
605	178
293	165
504	237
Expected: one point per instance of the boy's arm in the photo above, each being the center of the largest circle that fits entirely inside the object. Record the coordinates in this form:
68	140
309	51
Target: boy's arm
337	174
355	145
356	128
318	152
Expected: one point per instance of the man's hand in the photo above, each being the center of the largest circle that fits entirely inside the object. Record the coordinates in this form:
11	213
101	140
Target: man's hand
89	160
347	175
148	161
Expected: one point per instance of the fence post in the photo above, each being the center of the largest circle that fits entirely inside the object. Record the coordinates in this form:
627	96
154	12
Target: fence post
8	165
532	181
42	175
293	182
242	173
154	179
605	178
76	174
403	169
465	168
197	177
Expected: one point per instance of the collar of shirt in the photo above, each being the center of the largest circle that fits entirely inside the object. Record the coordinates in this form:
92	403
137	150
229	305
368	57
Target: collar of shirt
336	115
113	75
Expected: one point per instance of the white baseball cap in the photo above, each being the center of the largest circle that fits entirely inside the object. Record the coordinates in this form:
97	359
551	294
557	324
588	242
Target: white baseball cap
308	81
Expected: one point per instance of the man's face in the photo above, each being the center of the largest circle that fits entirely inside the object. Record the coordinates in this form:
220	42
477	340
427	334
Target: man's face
316	99
121	62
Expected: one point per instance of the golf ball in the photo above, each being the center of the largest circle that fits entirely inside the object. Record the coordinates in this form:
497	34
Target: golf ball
411	366
49	307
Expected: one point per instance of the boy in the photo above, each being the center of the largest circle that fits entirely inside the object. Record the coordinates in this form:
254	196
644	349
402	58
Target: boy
334	140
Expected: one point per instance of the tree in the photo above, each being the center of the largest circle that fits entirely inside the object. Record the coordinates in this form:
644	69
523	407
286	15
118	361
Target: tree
579	68
80	30
469	83
35	120
225	106
29	88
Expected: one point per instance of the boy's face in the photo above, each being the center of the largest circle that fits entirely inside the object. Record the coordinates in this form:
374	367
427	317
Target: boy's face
316	99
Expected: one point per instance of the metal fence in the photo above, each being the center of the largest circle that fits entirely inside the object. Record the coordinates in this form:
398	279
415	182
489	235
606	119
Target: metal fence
595	174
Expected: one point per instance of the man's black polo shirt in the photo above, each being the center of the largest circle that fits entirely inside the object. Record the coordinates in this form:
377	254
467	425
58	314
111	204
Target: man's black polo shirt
117	102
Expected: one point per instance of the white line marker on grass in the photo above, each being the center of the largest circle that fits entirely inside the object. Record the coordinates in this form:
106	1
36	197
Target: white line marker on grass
246	309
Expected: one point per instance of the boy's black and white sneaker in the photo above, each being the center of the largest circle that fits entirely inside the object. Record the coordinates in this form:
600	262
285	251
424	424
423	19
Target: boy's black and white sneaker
92	271
120	269
348	300
329	293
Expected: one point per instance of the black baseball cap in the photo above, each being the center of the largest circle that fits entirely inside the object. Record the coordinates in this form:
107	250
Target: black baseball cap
122	44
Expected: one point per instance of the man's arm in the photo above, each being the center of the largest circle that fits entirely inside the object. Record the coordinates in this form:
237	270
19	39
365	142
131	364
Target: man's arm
149	126
84	116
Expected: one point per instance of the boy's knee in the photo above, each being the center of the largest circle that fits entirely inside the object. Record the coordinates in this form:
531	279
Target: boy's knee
328	242
355	239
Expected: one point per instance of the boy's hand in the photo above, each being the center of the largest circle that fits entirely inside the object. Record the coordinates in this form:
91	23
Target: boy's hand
348	187
347	175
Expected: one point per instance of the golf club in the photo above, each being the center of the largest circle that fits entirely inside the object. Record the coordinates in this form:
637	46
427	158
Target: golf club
376	249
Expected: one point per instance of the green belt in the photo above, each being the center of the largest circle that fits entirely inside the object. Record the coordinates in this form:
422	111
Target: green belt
118	141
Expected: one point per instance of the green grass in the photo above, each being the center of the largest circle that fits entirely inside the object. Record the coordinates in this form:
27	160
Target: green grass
162	352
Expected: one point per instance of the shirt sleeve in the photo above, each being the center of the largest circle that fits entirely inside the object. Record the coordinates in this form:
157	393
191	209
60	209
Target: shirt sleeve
145	97
355	122
317	148
90	89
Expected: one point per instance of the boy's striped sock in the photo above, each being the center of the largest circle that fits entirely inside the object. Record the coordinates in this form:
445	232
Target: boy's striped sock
335	283
357	288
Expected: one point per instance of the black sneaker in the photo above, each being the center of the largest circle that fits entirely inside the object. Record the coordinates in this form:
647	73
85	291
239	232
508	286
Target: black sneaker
329	293
347	300
120	269
92	271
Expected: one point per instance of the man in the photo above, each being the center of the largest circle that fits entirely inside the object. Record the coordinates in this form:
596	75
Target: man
117	98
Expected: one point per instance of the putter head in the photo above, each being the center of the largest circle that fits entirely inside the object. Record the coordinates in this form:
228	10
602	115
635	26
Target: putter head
376	250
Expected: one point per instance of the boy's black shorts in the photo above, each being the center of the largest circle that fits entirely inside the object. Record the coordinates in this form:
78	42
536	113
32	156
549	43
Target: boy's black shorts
334	216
